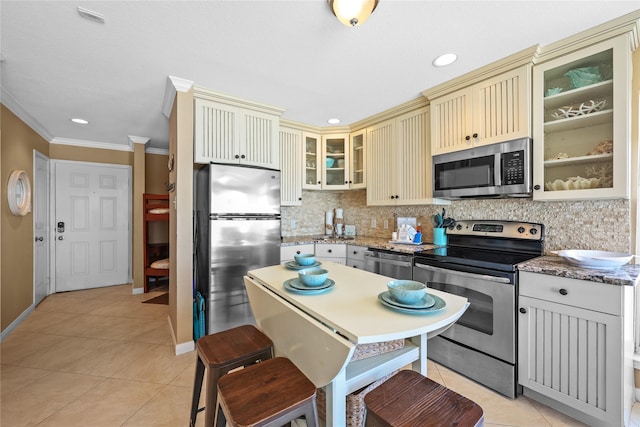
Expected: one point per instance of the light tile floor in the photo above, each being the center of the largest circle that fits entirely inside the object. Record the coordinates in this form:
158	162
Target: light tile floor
100	357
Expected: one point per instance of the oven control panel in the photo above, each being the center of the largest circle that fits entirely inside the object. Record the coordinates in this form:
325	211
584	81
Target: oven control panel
500	229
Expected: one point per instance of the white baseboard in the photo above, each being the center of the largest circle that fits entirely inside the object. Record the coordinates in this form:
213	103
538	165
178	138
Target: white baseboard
16	322
137	291
181	348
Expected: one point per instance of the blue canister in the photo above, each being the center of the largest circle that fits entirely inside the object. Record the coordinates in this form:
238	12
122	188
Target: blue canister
417	238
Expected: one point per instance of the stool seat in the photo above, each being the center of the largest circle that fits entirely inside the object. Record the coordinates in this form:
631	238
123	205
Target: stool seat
271	393
409	399
220	353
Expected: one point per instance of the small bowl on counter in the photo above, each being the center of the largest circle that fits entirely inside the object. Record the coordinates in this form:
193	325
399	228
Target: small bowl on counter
305	259
313	276
407	291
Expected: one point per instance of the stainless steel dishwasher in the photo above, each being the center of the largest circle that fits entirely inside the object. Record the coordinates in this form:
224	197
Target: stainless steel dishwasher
387	263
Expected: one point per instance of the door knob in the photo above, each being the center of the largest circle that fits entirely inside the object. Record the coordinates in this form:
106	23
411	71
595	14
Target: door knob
523	310
39	239
60	237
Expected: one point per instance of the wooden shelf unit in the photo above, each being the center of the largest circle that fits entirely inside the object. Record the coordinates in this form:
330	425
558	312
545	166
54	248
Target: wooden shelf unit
152	203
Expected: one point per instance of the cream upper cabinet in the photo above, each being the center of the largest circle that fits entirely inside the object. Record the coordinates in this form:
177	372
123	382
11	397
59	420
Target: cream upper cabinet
312	160
399	161
291	170
493	110
228	133
357	169
335	162
581	124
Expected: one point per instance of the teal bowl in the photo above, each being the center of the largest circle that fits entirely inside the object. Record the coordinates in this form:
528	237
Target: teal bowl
305	259
407	291
313	276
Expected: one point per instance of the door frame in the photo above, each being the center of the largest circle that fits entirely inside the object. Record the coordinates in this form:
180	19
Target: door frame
47	207
52	212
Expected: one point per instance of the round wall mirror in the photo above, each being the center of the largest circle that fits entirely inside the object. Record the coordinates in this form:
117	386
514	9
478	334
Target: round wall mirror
19	193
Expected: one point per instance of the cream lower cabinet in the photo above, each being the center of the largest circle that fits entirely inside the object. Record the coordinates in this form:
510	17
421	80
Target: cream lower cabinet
355	256
494	110
291	170
287	252
575	347
335	252
225	132
399	161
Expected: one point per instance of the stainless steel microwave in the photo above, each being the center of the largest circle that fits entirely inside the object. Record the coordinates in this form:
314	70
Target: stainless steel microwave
494	170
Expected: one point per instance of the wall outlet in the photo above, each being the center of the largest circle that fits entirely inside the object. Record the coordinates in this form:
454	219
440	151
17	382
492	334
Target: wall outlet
293	224
373	223
386	223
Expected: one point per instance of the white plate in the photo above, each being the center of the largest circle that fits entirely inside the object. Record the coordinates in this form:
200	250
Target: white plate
595	259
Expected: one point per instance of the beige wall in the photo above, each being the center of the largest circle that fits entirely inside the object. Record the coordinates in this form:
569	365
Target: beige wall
156	173
17	142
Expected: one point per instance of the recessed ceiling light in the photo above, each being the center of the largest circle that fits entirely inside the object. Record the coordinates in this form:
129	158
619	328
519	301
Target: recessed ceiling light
333	121
446	59
80	121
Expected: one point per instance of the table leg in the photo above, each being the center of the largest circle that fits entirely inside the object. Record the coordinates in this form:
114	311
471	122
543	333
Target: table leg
336	408
420	365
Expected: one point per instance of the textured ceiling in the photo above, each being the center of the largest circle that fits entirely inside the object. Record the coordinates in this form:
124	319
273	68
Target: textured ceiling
291	54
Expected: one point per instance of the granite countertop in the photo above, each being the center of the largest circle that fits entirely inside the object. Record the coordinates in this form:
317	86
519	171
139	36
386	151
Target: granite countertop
371	242
628	274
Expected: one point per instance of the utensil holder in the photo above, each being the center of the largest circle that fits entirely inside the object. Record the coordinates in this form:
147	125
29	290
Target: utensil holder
439	237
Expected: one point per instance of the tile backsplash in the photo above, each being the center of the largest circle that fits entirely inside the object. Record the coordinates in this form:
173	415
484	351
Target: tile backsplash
591	224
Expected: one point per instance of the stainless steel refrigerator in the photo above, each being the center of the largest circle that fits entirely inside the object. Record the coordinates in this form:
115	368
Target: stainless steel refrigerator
237	228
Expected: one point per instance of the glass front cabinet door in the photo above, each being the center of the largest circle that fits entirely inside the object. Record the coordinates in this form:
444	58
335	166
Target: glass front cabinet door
358	178
335	155
581	123
312	158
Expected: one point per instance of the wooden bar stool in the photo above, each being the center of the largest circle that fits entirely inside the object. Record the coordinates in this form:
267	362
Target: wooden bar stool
271	393
221	352
409	399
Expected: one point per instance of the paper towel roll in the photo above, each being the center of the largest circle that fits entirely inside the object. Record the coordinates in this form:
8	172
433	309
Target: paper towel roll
328	223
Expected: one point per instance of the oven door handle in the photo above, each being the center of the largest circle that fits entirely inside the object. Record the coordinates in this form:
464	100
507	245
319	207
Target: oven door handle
464	274
371	256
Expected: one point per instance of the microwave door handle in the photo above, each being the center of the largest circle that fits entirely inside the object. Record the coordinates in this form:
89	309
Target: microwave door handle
464	274
498	169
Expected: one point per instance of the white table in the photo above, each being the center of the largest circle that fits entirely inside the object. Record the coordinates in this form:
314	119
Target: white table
319	332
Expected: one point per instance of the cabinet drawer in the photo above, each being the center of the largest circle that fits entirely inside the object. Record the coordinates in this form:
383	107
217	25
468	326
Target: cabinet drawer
287	252
355	252
578	293
355	264
337	250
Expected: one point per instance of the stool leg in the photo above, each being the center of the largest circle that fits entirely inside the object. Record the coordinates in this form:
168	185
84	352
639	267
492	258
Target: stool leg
213	375
220	418
311	415
197	388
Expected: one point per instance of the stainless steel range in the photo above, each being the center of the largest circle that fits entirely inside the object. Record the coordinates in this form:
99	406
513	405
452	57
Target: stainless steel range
479	263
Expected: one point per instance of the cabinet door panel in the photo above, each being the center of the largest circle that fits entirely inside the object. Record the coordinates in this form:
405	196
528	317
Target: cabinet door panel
259	140
413	163
290	167
379	143
502	111
215	132
451	122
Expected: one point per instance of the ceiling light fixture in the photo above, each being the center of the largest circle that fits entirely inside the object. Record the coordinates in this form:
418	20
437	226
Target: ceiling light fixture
333	121
91	15
352	13
446	59
80	121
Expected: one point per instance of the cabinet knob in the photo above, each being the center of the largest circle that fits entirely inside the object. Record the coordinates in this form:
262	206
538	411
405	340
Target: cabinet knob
475	135
523	310
298	252
299	198
563	291
243	156
536	187
467	138
319	182
236	156
329	250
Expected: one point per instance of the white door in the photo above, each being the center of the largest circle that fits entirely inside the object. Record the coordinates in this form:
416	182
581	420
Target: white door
41	276
91	223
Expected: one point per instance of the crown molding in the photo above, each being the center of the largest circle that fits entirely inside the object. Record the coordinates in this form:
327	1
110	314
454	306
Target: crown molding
523	57
161	151
10	102
173	86
210	95
91	144
391	113
138	139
